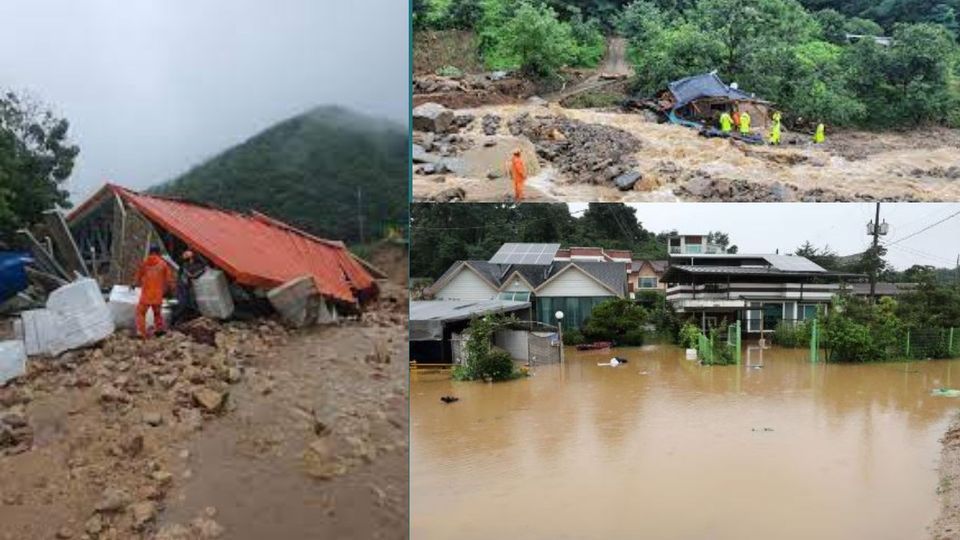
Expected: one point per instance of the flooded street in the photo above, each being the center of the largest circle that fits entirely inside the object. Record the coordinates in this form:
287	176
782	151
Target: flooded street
664	448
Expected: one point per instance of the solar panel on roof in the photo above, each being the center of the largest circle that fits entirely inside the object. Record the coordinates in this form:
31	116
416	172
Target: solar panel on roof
533	254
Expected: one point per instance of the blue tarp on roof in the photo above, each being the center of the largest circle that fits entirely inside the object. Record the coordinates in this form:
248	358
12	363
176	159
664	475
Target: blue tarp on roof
701	86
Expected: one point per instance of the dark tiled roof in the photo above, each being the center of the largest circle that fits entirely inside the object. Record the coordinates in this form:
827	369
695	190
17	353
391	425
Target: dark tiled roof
611	274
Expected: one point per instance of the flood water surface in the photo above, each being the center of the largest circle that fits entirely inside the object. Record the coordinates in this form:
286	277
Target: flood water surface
664	448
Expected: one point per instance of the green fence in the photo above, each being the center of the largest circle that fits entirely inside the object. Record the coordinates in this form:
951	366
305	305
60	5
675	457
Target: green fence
814	340
717	350
923	343
914	344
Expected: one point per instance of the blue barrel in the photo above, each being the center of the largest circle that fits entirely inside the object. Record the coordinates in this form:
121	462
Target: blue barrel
13	275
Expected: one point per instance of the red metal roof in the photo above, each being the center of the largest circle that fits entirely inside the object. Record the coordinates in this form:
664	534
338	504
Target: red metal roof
254	250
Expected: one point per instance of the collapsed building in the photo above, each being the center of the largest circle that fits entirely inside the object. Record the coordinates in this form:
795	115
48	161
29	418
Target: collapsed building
256	265
114	228
699	100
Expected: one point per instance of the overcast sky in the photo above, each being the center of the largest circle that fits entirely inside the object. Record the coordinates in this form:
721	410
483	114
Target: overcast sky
766	227
153	87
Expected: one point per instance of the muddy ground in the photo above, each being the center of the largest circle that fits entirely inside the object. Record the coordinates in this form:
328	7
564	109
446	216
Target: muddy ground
237	430
947	525
675	163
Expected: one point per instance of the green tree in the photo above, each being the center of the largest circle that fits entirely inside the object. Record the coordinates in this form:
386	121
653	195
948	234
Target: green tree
824	257
36	157
618	320
464	14
536	41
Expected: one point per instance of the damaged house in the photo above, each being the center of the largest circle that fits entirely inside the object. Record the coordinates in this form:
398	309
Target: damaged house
115	227
699	100
255	264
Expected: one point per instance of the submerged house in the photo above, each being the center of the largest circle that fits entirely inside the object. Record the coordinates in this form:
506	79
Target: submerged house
700	99
113	229
759	290
533	273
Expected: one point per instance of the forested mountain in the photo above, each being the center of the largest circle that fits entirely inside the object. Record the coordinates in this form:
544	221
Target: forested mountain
317	171
816	59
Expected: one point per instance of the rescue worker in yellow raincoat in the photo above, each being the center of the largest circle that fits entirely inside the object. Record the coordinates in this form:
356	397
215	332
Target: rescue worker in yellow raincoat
775	129
744	123
819	136
726	122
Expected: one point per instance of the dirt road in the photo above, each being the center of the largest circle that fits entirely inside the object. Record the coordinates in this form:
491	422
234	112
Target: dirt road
240	431
677	164
612	70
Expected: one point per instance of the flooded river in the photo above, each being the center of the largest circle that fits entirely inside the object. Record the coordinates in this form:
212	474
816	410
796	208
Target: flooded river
664	448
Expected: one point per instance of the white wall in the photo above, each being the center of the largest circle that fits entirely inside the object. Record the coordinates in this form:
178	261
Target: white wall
514	342
517	284
573	282
466	285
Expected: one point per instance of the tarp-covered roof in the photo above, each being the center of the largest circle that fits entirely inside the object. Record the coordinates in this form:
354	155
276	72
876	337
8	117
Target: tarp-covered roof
706	85
254	250
428	317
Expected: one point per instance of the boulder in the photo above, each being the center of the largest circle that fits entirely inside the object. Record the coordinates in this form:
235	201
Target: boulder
432	117
625	181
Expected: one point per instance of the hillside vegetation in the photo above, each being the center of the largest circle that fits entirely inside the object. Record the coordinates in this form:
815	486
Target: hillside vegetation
307	171
817	59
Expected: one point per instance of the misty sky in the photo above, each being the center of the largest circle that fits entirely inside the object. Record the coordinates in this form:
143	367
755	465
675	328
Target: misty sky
153	87
766	227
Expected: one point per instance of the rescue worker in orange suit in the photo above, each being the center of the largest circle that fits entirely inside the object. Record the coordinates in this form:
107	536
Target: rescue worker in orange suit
518	172
154	277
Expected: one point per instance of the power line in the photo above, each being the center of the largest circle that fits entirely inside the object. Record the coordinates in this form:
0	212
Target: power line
927	228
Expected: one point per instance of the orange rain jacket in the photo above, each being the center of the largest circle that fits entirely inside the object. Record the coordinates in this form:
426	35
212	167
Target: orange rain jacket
154	276
517	169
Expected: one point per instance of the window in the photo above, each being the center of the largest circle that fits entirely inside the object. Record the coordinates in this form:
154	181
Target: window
769	314
808	311
648	283
517	296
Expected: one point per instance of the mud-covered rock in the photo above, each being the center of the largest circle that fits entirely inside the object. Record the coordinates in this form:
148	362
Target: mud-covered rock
432	117
589	153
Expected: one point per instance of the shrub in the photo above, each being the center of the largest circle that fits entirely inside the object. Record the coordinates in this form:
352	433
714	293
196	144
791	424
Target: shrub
688	336
633	338
793	335
613	319
573	337
482	360
450	71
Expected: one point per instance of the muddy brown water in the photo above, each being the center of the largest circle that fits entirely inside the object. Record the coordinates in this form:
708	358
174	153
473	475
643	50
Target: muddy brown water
664	448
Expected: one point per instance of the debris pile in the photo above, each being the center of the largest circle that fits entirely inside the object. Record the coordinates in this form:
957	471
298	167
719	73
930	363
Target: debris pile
589	153
470	90
142	394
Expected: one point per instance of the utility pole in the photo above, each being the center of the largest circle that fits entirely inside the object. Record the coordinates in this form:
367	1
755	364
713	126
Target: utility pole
958	269
876	229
